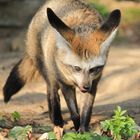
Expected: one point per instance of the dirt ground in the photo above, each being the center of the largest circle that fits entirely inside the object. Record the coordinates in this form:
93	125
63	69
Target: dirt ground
120	85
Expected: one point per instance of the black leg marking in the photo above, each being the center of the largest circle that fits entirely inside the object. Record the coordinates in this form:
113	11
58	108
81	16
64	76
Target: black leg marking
86	111
86	107
70	97
54	108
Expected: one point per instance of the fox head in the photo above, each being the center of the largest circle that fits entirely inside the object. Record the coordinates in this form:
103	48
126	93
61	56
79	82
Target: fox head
81	59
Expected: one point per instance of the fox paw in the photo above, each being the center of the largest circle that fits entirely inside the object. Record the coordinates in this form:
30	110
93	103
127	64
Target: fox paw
58	132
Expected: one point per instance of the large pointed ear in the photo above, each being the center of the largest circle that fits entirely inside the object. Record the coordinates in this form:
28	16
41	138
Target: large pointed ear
106	33
112	22
60	26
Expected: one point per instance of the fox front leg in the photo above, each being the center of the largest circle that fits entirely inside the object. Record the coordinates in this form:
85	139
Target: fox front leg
55	111
70	97
86	111
87	100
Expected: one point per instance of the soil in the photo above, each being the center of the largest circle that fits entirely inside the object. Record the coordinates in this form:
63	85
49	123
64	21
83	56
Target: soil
120	85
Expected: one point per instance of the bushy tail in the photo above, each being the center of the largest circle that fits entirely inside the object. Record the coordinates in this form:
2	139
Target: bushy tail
24	71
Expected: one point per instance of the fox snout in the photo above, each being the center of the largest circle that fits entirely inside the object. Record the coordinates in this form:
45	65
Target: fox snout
85	88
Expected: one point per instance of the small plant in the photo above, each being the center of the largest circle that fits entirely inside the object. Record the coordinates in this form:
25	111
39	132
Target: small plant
16	116
20	133
121	126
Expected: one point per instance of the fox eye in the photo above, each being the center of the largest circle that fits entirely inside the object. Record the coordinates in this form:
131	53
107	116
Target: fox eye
96	70
76	68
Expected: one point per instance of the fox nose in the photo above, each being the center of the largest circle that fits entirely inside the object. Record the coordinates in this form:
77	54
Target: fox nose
86	87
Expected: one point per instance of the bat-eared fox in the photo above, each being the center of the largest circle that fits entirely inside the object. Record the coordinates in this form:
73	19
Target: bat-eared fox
67	44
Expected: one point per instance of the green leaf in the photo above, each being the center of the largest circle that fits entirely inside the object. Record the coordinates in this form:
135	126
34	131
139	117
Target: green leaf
105	138
106	125
51	136
20	133
16	116
84	136
69	136
123	112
